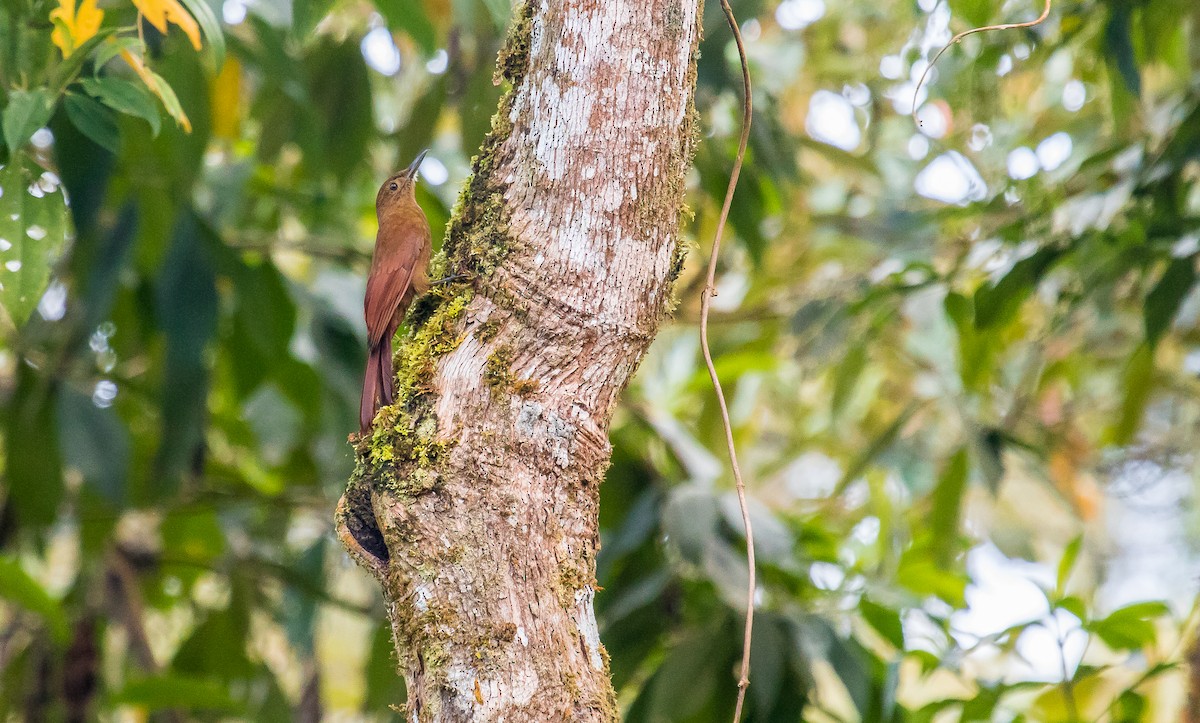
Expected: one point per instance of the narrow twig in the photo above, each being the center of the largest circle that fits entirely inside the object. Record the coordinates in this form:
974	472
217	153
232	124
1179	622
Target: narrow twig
1006	26
1068	681
705	300
124	593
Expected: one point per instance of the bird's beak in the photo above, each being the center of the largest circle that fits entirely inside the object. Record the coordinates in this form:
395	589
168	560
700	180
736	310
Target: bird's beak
416	164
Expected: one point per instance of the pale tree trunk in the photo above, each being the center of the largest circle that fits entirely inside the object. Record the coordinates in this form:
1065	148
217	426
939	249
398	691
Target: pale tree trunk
474	503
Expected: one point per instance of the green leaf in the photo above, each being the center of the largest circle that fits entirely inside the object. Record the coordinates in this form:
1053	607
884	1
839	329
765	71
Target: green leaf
203	12
217	646
499	10
299	609
96	443
769	651
176	691
27	111
1164	299
1131	627
849	660
94	121
996	304
885	621
418	133
169	99
111	50
975	12
1118	41
975	349
306	14
686	680
409	16
1073	605
264	318
1138	383
1131	706
947	507
32	468
193	536
845	377
186	302
125	97
18	587
923	576
1067	564
340	89
878	446
67	70
33	228
690	520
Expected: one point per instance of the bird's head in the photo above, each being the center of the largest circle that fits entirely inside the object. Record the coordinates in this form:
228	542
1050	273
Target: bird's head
399	186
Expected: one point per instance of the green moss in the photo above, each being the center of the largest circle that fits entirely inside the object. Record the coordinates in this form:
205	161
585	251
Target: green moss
570	580
512	62
411	624
403	450
477	241
488	330
477	238
498	375
498	372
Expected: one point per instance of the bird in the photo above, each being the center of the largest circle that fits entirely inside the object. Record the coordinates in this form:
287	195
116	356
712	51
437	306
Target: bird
397	276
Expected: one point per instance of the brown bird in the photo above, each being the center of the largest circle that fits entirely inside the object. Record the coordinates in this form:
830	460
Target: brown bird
398	275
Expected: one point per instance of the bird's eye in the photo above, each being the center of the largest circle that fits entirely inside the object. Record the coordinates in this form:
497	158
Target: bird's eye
394	186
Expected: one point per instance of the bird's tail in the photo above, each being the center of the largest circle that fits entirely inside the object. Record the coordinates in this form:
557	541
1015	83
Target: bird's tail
370	393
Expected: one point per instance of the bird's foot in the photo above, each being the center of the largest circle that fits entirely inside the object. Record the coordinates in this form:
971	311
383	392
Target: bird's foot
450	279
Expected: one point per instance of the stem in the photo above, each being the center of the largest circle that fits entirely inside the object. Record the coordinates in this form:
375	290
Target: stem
705	301
1006	26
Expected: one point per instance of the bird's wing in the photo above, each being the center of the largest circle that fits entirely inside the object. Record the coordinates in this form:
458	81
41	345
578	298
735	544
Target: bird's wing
391	273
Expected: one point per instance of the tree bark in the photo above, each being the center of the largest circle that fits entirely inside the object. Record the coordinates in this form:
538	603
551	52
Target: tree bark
474	501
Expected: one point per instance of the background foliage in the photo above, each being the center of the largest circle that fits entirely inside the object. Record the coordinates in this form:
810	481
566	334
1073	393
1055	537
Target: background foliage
963	360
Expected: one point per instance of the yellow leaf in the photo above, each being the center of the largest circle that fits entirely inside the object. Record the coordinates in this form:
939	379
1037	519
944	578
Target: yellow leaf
227	100
80	24
151	81
161	12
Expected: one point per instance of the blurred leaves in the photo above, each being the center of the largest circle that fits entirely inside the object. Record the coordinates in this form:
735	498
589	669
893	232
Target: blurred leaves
1167	295
207	20
409	16
183	392
173	691
1129	627
18	587
997	303
186	301
947	506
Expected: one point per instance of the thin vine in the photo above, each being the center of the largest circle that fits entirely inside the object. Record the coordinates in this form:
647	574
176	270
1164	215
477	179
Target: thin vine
953	41
706	295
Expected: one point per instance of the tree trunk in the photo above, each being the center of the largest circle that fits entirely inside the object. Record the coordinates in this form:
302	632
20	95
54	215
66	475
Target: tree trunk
474	501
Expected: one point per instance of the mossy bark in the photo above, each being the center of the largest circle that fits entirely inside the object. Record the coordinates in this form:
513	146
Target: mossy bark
474	500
